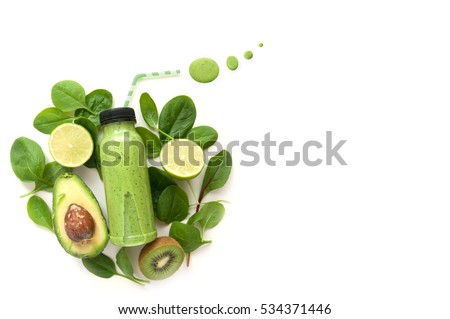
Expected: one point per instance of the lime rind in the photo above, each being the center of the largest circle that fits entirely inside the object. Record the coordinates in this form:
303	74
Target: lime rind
71	145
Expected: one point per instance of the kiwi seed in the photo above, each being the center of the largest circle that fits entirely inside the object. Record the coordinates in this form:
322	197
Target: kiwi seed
161	258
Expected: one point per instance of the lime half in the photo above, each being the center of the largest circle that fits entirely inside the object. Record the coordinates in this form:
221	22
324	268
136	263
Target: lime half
71	145
182	158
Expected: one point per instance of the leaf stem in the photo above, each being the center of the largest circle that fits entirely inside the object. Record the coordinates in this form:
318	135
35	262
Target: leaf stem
213	201
141	280
203	233
200	197
39	179
34	191
165	134
130	278
89	110
192	191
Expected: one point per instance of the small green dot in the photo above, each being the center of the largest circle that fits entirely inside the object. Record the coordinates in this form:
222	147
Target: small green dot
261	45
232	62
204	70
248	55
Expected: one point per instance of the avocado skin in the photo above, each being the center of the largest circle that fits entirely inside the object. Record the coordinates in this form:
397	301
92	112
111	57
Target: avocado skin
70	189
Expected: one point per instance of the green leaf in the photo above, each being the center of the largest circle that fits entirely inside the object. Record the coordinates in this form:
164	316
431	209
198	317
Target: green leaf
104	267
27	160
217	172
209	216
101	266
39	212
149	110
94	160
124	263
205	136
68	96
173	205
92	129
151	141
47	120
97	101
51	171
159	181
177	117
187	236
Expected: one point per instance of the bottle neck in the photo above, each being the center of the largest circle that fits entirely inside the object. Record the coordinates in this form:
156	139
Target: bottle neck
118	127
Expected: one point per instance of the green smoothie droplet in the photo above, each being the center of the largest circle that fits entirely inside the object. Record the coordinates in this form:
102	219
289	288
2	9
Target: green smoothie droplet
204	70
248	55
232	62
261	45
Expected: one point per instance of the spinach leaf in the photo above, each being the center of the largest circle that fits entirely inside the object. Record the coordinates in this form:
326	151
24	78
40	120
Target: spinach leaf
205	136
127	269
151	141
104	267
39	212
217	173
97	101
177	117
159	181
27	160
92	129
149	110
173	205
47	120
94	160
68	96
187	236
51	171
88	125
124	263
209	216
101	266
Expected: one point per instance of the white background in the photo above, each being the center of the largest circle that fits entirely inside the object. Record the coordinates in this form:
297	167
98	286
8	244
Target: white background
371	238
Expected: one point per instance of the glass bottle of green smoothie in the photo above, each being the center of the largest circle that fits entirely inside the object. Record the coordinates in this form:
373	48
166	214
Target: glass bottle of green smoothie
125	177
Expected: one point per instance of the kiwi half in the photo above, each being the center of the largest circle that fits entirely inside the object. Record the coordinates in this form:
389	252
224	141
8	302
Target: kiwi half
161	258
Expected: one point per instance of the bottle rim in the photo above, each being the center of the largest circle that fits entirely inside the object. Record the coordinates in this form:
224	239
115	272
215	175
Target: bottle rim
118	114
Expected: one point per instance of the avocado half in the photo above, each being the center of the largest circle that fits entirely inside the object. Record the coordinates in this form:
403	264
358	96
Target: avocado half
77	218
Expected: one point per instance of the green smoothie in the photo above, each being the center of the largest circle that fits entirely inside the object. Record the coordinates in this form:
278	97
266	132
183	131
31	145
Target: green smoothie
204	70
232	62
126	180
248	55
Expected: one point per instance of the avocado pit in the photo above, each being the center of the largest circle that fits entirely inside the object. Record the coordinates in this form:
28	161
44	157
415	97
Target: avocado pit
78	223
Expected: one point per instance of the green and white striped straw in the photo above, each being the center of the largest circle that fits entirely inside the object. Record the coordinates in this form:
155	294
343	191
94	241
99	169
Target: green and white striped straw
152	75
